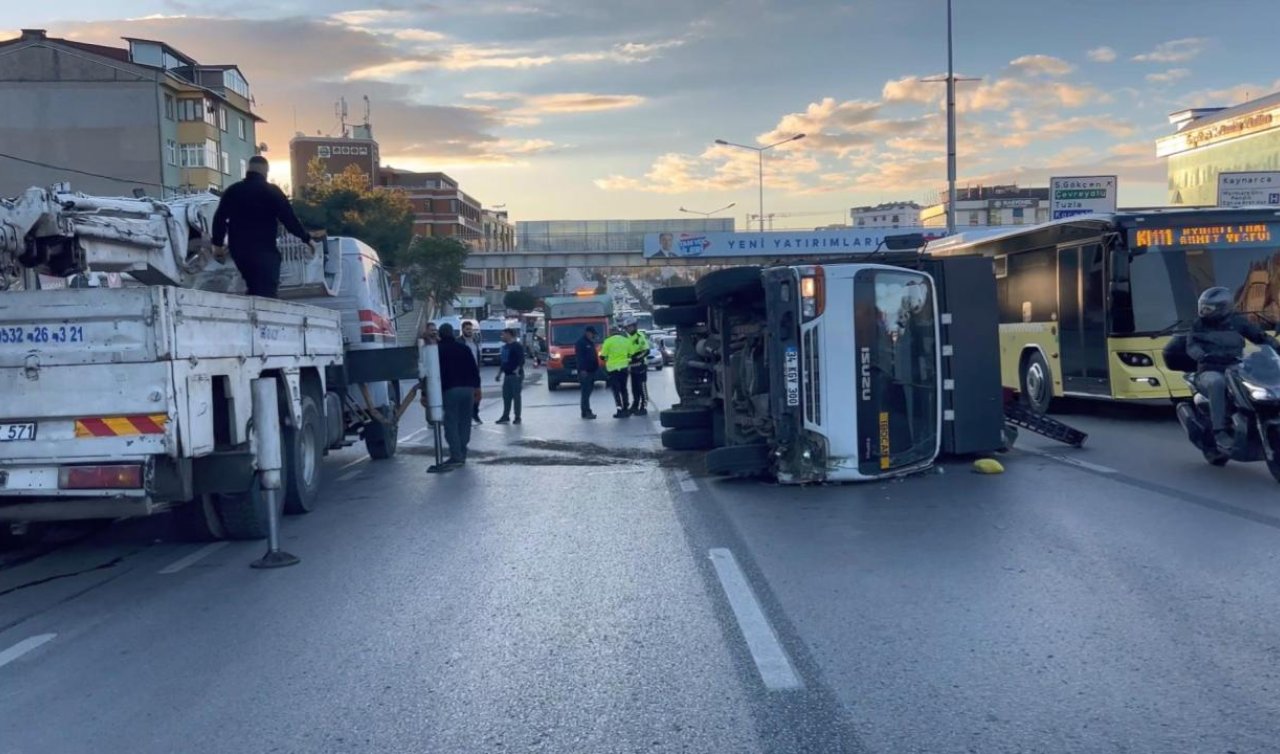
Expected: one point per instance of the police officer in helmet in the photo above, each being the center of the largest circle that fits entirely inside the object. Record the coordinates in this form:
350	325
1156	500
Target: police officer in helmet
639	367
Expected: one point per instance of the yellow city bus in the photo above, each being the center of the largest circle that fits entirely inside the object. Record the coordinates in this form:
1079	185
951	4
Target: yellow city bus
1087	303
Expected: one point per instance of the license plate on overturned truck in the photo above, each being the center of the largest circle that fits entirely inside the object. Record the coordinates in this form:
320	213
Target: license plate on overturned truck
15	431
791	372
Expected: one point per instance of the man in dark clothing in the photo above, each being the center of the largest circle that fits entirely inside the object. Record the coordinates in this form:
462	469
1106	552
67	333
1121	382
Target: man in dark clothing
510	373
254	210
460	382
1216	341
584	353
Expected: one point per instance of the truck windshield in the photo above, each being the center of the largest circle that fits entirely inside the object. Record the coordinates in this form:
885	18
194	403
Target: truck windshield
896	338
568	333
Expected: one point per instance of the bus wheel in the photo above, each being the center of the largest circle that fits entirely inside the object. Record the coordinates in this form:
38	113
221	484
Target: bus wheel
1037	383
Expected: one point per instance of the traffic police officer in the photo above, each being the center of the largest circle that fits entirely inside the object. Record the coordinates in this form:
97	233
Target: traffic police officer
639	368
616	354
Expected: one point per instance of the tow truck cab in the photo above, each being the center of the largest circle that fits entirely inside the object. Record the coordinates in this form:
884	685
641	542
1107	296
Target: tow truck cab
844	372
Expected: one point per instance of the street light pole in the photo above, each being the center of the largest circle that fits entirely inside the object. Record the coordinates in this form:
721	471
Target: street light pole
760	155
951	130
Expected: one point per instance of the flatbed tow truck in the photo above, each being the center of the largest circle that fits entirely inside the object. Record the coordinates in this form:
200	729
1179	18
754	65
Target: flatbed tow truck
137	399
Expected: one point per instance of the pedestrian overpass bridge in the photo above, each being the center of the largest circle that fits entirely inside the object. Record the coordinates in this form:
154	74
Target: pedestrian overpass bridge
515	260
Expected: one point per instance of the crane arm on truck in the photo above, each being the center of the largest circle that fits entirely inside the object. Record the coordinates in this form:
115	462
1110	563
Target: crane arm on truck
56	232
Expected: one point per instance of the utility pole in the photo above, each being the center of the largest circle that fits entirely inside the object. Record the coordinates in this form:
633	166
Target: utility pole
951	80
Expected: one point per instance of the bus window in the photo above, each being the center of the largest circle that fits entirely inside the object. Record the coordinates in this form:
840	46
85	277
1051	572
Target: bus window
1031	290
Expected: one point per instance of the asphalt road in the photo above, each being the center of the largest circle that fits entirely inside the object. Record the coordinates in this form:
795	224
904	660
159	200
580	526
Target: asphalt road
576	590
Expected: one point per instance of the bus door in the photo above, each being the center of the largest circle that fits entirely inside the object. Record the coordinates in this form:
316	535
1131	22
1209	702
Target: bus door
1082	319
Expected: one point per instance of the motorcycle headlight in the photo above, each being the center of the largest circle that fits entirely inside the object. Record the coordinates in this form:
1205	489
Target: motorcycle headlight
1259	393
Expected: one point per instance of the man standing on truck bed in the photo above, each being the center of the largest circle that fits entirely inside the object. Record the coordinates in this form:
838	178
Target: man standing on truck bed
254	209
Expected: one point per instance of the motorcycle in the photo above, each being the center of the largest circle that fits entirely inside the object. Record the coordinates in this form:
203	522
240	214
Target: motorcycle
1253	408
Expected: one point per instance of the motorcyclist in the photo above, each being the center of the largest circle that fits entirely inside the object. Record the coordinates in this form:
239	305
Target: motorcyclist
1216	342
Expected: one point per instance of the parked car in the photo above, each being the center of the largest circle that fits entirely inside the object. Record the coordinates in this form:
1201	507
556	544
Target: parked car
655	360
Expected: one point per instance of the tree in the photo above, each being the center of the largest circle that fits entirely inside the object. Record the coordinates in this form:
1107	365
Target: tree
346	205
434	267
520	301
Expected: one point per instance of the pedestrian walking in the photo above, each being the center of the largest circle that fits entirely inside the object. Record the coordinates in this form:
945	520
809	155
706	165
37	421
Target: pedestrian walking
584	353
511	374
616	353
460	381
470	341
248	219
639	367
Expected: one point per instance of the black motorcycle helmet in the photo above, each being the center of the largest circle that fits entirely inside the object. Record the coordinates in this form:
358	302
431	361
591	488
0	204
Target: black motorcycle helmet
1216	304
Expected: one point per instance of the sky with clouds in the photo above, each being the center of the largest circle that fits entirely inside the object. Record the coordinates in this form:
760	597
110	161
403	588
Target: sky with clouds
607	108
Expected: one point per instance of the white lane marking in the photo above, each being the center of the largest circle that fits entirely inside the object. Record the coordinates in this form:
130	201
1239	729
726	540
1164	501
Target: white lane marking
618	471
686	482
1074	462
347	477
194	557
771	659
24	646
361	459
409	437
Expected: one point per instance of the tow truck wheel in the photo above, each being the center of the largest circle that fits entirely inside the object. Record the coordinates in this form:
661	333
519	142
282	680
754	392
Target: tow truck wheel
680	316
197	520
381	439
739	460
685	418
303	453
1037	383
687	439
676	295
734	282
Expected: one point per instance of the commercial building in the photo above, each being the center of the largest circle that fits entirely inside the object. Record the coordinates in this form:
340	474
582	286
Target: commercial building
118	120
335	155
888	215
991	205
607	235
1212	140
440	207
499	237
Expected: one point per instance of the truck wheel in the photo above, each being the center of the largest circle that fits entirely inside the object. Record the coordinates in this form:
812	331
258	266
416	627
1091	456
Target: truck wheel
685	418
686	439
1037	383
197	520
552	386
244	514
680	316
739	460
303	454
676	295
738	282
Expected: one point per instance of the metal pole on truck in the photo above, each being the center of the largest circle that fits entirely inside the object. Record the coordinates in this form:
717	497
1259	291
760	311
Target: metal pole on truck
266	430
433	398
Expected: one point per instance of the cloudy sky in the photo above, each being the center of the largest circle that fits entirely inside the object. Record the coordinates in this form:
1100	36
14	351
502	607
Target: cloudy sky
608	108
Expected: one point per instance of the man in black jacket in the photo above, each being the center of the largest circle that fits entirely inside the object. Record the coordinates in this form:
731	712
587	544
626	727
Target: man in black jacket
588	364
1216	341
254	210
460	382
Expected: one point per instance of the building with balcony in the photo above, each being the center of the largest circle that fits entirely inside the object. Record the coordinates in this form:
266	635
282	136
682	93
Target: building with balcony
118	120
1212	140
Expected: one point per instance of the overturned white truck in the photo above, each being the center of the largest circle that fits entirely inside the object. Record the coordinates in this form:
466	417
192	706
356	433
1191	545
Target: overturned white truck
857	368
133	397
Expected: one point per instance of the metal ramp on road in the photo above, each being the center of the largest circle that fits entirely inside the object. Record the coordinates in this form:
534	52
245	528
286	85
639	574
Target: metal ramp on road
1020	416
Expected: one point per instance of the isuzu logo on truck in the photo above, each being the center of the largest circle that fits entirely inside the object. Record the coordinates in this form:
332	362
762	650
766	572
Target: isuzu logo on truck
864	356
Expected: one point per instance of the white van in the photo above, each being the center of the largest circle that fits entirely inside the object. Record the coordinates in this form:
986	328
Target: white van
491	337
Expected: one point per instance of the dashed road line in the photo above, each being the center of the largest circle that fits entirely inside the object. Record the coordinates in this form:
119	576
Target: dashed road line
359	460
771	659
194	557
347	477
686	481
409	437
1073	461
23	647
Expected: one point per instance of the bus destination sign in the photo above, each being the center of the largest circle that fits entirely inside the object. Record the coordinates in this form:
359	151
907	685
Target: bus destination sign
1239	234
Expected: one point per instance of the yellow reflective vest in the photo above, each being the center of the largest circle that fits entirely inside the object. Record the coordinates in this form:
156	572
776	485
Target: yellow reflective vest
616	352
639	348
